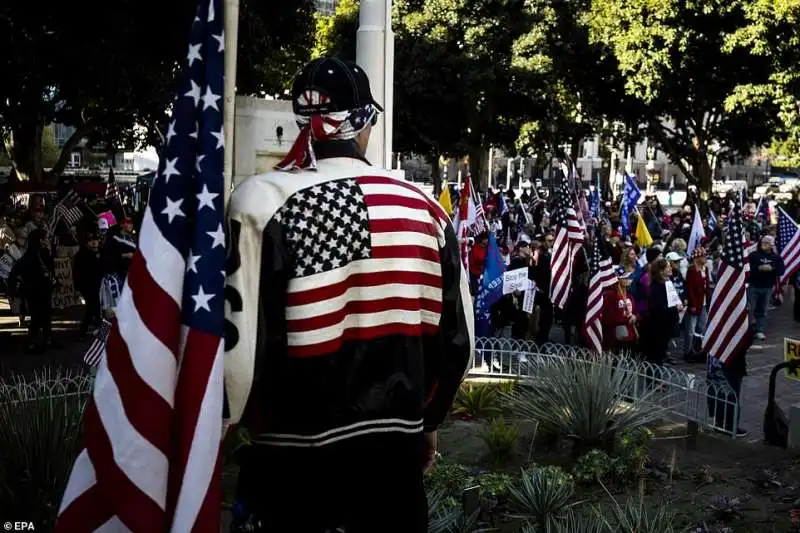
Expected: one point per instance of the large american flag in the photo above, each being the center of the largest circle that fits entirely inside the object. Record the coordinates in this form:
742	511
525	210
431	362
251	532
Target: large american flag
788	244
153	427
602	277
727	317
367	262
569	239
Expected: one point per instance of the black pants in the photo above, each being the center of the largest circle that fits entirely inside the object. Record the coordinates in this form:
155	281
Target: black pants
40	308
91	315
721	406
545	321
370	486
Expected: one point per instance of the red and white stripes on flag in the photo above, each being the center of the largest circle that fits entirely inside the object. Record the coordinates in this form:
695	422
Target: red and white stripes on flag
602	277
96	350
789	244
570	235
727	317
153	427
375	228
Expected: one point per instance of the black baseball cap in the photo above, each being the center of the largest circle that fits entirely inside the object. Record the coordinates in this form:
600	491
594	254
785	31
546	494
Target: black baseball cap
328	84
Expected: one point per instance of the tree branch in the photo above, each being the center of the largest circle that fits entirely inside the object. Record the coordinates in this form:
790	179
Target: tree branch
80	132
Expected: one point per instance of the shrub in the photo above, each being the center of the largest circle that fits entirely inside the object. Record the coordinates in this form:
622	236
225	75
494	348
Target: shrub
634	515
448	477
477	401
501	438
594	465
40	429
543	496
582	400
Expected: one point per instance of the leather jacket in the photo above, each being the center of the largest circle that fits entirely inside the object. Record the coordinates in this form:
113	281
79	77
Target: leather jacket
351	312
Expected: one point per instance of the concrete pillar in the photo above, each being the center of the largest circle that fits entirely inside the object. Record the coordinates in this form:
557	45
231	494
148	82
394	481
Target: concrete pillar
375	54
231	25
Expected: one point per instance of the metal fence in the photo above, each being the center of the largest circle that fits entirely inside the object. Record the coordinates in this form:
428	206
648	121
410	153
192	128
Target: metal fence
683	395
62	390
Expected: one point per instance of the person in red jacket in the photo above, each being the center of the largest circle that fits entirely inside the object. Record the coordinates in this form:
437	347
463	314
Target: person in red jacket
698	295
477	256
620	334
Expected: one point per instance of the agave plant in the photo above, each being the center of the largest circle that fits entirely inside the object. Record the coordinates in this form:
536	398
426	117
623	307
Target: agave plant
635	516
477	401
583	400
40	427
543	496
442	514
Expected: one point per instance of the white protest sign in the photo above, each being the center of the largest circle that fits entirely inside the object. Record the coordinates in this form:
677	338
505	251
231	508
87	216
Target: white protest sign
672	295
515	280
530	293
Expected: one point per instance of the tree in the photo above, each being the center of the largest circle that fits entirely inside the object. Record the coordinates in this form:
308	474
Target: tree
336	34
696	89
104	78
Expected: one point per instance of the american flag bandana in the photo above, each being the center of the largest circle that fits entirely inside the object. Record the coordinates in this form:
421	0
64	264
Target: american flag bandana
339	125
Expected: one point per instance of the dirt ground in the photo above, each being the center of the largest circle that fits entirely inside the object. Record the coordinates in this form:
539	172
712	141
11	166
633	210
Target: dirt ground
751	487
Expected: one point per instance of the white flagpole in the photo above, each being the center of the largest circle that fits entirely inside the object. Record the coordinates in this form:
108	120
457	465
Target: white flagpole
231	21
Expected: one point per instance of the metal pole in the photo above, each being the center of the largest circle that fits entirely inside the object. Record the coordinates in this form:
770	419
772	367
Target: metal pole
231	15
375	54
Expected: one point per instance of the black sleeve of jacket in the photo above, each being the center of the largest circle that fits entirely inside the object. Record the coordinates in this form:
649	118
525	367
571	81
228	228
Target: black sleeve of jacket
445	368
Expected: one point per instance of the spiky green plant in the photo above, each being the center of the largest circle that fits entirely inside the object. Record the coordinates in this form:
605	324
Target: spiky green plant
501	438
477	401
635	516
583	400
40	428
442	515
543	496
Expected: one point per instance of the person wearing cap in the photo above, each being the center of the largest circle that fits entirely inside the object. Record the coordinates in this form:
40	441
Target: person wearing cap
352	327
620	333
33	278
523	259
119	248
88	273
698	297
766	267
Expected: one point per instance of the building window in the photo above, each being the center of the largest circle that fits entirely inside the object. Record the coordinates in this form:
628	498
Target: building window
75	159
326	7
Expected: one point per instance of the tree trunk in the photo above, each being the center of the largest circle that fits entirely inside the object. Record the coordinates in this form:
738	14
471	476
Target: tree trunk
24	147
703	173
477	169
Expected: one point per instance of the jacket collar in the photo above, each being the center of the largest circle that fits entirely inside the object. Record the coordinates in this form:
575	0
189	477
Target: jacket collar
339	150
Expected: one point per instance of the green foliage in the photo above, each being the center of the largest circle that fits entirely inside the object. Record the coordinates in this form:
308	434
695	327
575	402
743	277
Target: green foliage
634	515
105	78
582	400
501	438
40	428
678	60
543	497
336	34
594	465
452	478
477	401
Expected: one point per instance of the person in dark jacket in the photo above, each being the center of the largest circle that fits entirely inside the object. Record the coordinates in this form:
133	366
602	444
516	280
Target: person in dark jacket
661	317
521	321
353	329
765	268
33	277
88	274
542	276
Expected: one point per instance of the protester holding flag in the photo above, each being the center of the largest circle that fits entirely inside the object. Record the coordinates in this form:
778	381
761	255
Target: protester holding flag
619	317
698	295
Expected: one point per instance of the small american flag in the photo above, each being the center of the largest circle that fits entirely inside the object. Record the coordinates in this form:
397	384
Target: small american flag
347	238
788	244
602	277
112	190
98	347
153	427
67	210
727	317
569	239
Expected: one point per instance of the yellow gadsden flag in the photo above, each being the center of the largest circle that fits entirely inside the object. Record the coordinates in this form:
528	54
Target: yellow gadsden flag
642	235
444	199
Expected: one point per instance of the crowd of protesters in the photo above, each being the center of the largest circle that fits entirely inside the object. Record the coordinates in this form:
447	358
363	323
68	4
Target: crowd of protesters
99	253
658	308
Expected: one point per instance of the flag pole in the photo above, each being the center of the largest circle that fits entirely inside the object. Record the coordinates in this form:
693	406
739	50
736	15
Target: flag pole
231	25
